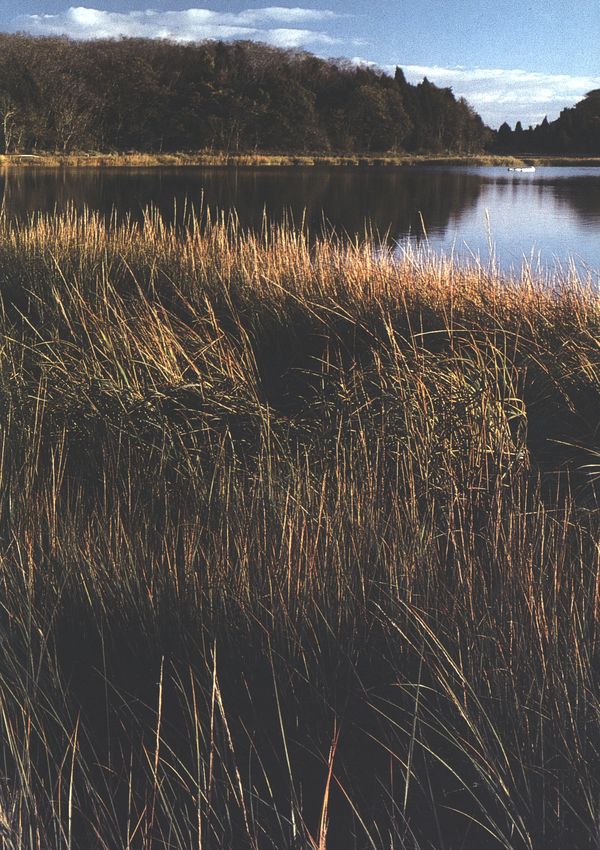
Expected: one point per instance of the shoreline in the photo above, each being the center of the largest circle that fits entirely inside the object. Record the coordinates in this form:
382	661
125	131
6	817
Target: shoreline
210	160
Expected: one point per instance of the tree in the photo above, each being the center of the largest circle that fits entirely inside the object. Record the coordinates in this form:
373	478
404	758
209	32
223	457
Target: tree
380	120
155	95
504	138
8	117
18	96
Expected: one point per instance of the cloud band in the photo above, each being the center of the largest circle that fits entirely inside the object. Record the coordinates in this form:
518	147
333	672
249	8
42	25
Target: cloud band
277	25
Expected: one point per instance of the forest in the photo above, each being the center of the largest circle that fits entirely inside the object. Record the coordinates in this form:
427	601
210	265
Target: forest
157	96
575	131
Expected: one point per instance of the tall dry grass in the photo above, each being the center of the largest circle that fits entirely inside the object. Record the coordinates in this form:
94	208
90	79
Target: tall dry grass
299	544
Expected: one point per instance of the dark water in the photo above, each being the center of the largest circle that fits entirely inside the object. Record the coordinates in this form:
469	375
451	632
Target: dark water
548	217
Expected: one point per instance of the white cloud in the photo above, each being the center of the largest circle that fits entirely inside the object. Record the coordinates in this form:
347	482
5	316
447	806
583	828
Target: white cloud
511	95
284	37
278	25
288	15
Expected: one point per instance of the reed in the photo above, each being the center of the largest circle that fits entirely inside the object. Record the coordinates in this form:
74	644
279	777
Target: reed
298	540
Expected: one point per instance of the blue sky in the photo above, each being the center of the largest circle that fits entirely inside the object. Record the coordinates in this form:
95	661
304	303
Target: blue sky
512	60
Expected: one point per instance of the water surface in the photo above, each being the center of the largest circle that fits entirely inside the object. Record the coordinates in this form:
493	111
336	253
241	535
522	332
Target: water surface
551	216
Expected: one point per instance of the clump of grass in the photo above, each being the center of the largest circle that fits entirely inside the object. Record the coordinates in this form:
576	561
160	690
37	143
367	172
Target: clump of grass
298	544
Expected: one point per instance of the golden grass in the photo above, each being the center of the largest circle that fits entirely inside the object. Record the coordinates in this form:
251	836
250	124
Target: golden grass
298	543
253	159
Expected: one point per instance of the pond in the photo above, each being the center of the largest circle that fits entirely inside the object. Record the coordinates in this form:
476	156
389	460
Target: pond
548	217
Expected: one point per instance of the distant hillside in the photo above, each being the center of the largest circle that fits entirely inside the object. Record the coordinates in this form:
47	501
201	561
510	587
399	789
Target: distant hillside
575	131
146	95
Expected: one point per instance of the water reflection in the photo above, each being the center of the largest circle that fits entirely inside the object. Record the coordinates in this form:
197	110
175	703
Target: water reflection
555	210
391	200
552	216
578	190
580	194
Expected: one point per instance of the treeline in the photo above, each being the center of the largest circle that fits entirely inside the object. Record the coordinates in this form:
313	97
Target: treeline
575	131
146	95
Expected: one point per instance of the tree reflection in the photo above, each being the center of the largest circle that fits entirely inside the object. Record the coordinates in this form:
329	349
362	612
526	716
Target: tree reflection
581	194
392	202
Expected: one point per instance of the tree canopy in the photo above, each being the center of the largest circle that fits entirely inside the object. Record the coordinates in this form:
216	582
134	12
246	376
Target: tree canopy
148	95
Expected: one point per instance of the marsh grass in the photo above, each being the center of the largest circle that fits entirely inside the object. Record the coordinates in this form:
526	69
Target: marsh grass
91	159
254	159
299	544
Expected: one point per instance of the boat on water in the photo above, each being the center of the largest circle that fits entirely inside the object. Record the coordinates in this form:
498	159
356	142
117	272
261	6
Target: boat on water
528	169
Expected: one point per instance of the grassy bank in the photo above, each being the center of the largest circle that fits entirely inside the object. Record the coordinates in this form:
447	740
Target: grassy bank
260	160
221	158
299	545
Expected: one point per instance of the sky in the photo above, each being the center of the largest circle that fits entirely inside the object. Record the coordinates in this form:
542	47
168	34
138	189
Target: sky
512	59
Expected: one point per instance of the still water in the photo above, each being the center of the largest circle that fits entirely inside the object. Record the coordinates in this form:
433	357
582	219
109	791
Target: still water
552	216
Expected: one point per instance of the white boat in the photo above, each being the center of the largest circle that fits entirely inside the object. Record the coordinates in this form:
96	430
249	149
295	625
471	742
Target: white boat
528	169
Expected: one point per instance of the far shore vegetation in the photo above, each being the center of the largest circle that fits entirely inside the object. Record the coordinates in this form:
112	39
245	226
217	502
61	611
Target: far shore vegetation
84	159
299	544
208	158
242	101
158	96
575	131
